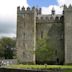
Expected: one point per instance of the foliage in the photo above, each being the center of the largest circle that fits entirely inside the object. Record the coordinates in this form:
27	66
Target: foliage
1	50
43	51
6	44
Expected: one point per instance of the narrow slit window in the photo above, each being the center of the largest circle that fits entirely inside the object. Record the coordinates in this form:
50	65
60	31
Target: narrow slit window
41	34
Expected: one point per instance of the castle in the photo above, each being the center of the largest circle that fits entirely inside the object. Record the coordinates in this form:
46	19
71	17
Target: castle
57	28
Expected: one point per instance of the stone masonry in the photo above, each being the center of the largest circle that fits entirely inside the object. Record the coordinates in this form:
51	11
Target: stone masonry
56	28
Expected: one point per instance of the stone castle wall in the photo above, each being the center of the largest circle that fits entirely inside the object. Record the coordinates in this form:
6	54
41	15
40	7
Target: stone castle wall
68	33
51	28
25	35
57	29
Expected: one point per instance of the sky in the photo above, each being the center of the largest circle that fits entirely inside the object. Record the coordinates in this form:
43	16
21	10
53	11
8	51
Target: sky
8	12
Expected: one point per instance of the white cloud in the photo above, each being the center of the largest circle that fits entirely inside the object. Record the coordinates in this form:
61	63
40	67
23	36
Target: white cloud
58	8
8	35
8	10
66	2
47	10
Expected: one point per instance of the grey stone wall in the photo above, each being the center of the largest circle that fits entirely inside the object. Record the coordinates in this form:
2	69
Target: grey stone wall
52	30
68	34
25	35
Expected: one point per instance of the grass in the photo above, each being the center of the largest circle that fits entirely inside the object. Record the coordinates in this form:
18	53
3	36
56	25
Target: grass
40	66
67	70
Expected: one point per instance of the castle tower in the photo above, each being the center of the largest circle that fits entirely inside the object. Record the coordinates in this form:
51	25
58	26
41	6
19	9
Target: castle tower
26	38
68	34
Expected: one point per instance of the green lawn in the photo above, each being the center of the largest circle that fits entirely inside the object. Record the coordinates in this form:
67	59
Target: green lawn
40	66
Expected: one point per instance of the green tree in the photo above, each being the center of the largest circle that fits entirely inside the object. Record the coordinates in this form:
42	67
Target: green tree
1	50
43	51
7	46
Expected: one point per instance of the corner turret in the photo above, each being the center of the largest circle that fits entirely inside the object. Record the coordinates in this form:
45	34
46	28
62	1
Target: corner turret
69	8
18	9
53	11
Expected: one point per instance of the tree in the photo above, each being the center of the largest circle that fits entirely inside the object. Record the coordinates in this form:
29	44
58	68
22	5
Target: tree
6	47
1	50
43	51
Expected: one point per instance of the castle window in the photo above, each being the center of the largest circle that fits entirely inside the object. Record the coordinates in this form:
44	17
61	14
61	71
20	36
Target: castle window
41	17
24	54
41	34
56	52
24	33
57	60
36	18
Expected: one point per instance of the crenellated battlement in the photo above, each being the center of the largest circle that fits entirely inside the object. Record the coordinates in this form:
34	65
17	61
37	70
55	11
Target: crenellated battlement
48	18
28	10
69	8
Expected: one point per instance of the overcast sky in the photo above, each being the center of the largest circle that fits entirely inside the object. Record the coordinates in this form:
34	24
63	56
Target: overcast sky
8	12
